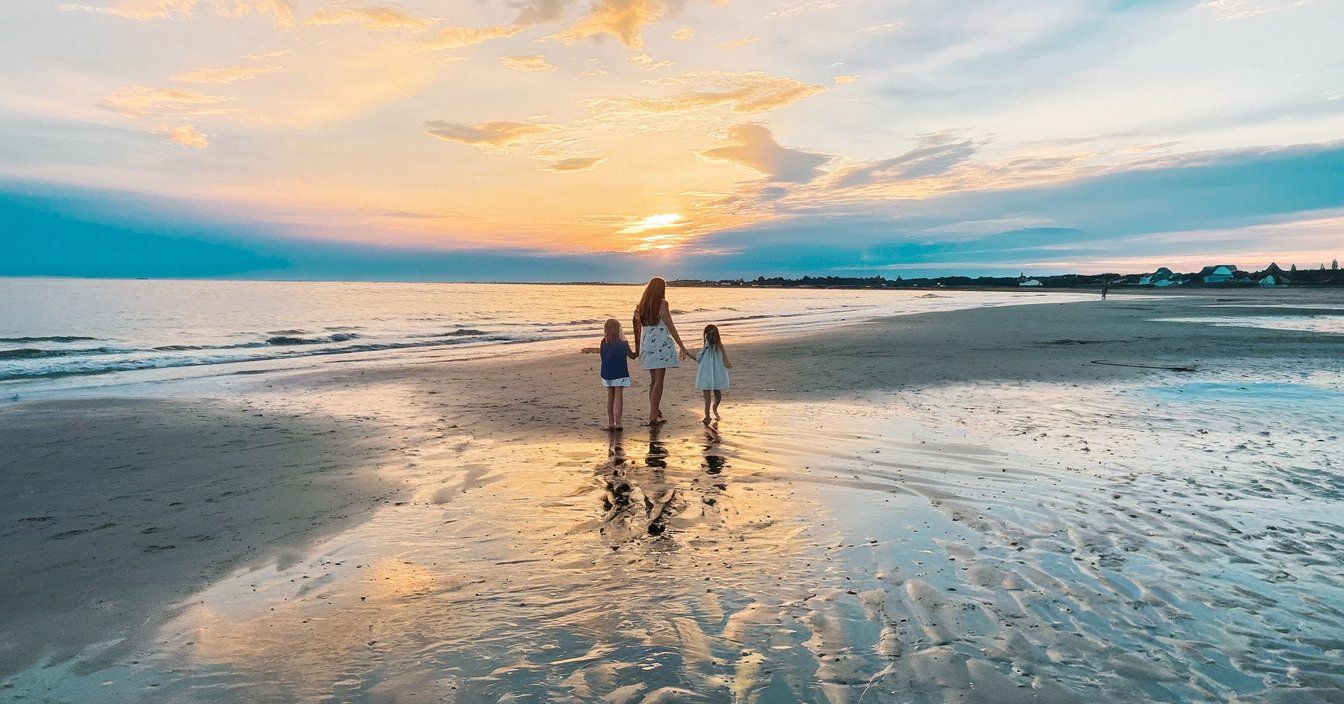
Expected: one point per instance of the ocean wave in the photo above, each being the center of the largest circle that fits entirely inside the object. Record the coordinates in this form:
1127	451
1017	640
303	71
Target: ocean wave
50	338
193	348
35	353
71	365
461	332
286	340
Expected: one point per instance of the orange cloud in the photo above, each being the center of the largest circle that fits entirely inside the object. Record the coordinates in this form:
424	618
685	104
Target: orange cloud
283	10
623	19
532	62
461	37
498	134
739	42
375	17
578	163
140	9
223	74
739	92
143	100
842	80
186	136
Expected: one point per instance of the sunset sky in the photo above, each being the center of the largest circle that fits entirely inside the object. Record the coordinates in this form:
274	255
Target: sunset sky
611	139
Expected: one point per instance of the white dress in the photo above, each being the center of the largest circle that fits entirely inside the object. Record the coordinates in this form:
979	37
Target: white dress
656	348
710	374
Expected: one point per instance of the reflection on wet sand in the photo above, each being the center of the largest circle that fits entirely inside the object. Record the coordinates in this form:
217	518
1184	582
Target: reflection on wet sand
565	575
640	500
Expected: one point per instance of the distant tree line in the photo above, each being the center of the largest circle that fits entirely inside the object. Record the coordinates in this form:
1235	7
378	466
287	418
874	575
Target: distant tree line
1324	276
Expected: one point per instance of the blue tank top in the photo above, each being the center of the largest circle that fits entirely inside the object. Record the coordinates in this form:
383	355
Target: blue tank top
614	359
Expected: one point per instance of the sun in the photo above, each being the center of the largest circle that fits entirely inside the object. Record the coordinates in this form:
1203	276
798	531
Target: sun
660	221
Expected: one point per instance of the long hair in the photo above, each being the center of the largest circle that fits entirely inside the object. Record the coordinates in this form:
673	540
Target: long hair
651	303
712	340
611	332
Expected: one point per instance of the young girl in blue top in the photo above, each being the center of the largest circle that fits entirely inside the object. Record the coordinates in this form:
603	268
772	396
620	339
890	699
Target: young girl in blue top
615	352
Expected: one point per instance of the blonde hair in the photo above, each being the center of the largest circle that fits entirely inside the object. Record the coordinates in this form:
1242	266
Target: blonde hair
611	331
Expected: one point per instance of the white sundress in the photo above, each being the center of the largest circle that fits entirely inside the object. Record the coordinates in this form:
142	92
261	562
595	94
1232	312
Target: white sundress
710	374
656	348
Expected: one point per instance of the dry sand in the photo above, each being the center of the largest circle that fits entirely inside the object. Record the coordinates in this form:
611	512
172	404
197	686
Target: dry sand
912	509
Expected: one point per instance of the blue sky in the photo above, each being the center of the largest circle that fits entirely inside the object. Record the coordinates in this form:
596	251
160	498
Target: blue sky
613	139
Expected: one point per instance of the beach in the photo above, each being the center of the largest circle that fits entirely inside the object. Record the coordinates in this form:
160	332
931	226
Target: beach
1056	499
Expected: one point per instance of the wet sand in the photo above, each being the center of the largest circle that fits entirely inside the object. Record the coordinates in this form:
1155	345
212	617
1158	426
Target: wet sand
951	507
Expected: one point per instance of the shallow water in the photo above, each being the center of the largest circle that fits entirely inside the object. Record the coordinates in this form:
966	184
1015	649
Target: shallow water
1165	541
1331	322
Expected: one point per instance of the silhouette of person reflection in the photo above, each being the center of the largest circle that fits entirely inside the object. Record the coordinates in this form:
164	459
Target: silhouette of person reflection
657	456
636	500
714	464
714	459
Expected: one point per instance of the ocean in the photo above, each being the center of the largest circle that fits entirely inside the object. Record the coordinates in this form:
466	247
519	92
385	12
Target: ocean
65	332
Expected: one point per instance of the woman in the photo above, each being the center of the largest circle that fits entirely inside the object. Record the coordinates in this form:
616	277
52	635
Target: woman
654	337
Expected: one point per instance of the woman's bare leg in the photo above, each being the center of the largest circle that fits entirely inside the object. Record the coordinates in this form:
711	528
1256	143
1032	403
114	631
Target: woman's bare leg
655	394
706	418
617	406
718	396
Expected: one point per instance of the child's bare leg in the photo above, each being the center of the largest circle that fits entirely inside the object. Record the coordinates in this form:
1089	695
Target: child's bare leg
718	396
611	402
706	418
617	406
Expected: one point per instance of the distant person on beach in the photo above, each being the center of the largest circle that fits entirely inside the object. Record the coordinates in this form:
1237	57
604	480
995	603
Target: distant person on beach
614	351
711	375
1104	289
655	335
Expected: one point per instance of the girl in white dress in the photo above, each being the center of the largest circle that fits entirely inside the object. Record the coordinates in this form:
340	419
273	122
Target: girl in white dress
655	334
711	375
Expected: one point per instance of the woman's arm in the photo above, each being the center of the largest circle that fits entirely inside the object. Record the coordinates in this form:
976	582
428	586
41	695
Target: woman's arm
637	327
630	352
666	316
724	351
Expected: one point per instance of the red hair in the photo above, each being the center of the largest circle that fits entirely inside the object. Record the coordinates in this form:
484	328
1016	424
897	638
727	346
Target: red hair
650	307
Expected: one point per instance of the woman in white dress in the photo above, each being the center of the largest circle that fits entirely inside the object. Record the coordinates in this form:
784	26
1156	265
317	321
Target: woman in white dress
655	335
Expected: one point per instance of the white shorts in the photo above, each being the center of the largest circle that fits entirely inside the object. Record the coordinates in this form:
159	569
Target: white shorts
612	383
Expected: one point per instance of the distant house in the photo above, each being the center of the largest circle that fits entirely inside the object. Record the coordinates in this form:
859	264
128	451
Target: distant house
1218	274
1030	282
1162	277
1274	275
